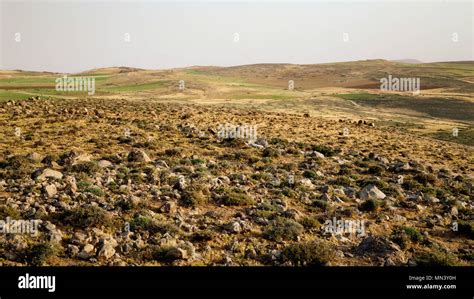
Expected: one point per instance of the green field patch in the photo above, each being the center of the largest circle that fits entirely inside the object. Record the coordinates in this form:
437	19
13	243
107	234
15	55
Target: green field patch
443	108
357	96
135	87
27	81
10	95
465	135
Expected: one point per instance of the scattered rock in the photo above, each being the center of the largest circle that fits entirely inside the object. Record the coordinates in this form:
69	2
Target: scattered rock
48	173
376	246
371	192
107	251
105	164
176	253
168	207
138	155
233	227
50	190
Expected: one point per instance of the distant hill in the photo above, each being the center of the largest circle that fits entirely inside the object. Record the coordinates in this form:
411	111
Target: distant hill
111	70
410	61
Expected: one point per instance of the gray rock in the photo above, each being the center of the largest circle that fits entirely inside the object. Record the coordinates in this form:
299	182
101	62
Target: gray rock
88	248
161	164
376	246
105	164
51	190
292	214
399	218
71	184
176	253
49	173
181	184
138	155
233	227
371	192
350	192
224	179
73	250
107	251
134	200
454	211
87	252
168	207
81	158
307	183
54	234
79	238
261	141
318	154
35	157
430	199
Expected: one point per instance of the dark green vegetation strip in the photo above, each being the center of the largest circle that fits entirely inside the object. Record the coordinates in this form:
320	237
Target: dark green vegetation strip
454	109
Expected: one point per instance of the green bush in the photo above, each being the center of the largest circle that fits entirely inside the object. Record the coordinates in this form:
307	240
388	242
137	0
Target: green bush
373	181
309	174
376	170
288	192
8	211
412	185
425	178
270	152
404	235
85	217
88	168
88	187
38	254
325	150
193	198
321	204
413	233
124	205
18	167
202	236
165	253
313	253
236	197
146	223
342	181
310	222
466	228
283	229
370	205
436	258
277	140
173	151
345	170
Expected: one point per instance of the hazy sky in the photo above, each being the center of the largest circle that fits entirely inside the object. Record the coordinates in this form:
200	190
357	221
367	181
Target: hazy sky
72	36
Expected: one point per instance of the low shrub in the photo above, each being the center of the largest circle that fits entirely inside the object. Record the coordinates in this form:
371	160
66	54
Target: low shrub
283	229
313	253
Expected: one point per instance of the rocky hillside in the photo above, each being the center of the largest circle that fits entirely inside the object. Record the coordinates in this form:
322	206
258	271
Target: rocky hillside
129	182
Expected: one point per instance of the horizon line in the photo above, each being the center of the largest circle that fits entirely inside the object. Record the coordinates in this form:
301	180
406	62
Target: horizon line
405	61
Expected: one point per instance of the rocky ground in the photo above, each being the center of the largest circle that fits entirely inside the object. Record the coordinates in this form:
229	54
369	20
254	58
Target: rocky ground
119	182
